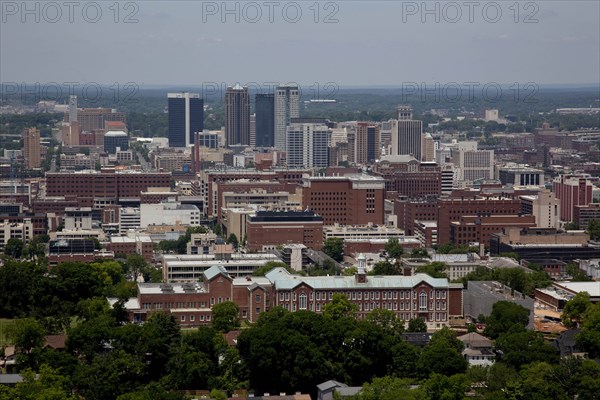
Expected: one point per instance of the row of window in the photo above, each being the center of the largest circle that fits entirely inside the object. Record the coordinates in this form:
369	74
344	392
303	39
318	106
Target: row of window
192	318
373	295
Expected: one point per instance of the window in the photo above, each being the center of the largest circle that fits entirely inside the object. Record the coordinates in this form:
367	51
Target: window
384	296
395	295
401	294
376	295
257	310
208	317
182	318
202	318
258	298
330	295
192	318
287	296
244	313
318	295
281	296
303	302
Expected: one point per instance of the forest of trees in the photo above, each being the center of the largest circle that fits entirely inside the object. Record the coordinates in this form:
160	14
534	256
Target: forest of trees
106	358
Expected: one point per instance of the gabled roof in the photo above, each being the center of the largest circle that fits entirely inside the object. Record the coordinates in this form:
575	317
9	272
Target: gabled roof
215	271
474	339
55	341
330	384
283	280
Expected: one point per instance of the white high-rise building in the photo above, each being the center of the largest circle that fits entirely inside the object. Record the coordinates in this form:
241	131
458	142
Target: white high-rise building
72	108
287	106
474	164
406	134
308	145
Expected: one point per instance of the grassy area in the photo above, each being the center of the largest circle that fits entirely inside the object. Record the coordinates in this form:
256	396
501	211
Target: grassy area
4	324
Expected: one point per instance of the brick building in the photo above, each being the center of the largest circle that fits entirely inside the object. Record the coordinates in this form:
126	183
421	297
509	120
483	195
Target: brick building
408	211
273	228
209	178
407	176
105	184
138	244
582	215
353	199
434	299
478	229
451	209
572	190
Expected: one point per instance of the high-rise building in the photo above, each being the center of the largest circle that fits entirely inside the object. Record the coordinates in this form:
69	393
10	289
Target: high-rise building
427	148
31	147
114	140
406	134
308	145
91	119
287	106
253	130
572	190
186	116
367	143
265	120
72	108
473	164
237	115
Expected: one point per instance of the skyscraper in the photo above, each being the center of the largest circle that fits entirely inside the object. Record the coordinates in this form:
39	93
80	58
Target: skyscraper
186	116
308	145
406	134
72	108
31	147
367	145
287	106
265	120
237	115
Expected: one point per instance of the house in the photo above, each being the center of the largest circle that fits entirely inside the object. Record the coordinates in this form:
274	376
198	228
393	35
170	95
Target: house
567	345
9	360
325	390
479	350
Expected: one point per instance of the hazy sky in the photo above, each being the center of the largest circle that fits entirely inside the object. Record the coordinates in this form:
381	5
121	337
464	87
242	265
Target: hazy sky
372	42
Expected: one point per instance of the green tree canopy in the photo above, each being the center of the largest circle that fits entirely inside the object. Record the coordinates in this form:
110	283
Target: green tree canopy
225	316
340	307
416	325
506	315
575	309
393	248
334	248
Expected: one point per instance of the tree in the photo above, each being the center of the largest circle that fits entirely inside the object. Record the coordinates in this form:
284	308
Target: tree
385	268
393	248
27	334
225	316
577	275
388	388
135	265
443	387
14	248
217	230
419	252
48	384
334	248
442	355
523	347
435	269
262	271
339	307
506	315
416	325
571	226
386	320
233	240
593	229
575	309
589	337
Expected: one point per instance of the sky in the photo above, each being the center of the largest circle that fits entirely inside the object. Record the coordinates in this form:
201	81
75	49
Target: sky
349	43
